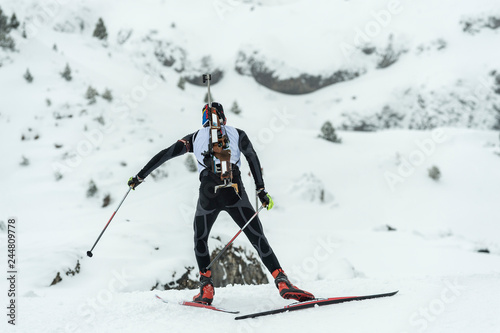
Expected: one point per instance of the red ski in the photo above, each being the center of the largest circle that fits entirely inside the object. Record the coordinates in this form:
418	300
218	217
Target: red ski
199	305
315	302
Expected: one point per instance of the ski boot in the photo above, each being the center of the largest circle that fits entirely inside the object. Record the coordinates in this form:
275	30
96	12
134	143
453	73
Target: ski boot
207	292
288	290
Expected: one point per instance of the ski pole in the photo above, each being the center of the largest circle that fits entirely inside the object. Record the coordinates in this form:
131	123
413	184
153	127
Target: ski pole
237	234
89	253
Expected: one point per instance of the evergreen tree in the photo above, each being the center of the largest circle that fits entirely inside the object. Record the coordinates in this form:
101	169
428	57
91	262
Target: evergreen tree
28	76
66	74
6	42
91	95
92	190
191	164
434	173
14	23
24	161
107	95
328	133
106	200
182	83
235	108
4	25
100	31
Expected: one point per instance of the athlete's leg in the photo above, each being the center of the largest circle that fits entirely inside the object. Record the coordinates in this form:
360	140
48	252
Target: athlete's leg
203	222
241	212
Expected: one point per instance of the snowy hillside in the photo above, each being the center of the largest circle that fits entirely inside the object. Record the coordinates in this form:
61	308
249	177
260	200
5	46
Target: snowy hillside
411	88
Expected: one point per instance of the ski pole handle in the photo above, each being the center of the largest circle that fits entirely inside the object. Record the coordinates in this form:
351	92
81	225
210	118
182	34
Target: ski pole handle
237	234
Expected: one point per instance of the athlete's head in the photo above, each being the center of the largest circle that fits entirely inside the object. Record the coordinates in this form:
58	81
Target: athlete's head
206	114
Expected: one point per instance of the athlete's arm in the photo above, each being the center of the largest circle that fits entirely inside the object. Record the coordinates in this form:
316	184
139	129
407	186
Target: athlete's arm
253	161
179	148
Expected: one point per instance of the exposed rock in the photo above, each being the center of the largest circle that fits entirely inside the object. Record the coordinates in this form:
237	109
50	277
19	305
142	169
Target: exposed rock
466	104
236	266
474	25
69	272
390	55
389	228
184	282
57	279
302	84
75	271
387	118
195	72
310	188
196	77
170	55
254	65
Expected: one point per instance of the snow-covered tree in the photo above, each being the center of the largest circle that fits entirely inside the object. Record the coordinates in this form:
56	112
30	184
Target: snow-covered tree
235	108
100	31
14	23
107	95
66	74
91	95
182	83
328	133
28	76
434	173
4	24
191	164
24	161
6	42
92	190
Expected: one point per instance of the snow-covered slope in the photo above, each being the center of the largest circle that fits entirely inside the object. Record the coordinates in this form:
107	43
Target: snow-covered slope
335	203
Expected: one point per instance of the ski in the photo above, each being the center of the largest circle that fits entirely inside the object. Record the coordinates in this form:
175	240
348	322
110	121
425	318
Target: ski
199	305
313	303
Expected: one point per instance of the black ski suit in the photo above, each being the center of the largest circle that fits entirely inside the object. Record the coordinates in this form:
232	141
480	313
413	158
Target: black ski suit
211	203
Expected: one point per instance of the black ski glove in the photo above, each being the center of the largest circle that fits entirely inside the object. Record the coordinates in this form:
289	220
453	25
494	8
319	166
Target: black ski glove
265	199
133	182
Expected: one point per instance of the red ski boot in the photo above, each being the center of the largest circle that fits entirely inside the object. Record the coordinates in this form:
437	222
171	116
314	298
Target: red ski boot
288	290
207	292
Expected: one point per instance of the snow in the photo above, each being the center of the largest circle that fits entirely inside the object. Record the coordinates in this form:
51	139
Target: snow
340	246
